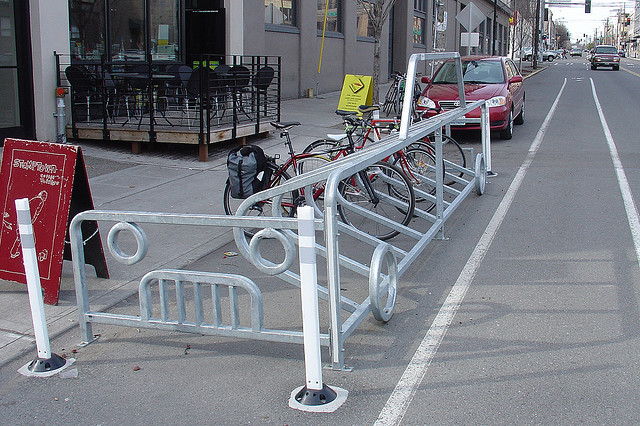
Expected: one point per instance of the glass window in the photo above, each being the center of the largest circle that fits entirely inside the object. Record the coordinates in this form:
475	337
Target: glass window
334	15
87	28
128	40
419	21
365	26
164	29
486	71
10	105
418	30
280	12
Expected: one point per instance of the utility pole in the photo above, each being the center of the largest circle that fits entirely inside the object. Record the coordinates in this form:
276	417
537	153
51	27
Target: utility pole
495	26
536	36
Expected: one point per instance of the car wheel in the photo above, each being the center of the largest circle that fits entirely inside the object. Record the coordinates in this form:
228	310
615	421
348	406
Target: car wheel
593	67
507	133
550	59
520	117
616	68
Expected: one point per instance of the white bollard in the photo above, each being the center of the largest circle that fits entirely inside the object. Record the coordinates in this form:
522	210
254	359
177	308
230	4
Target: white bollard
46	363
315	396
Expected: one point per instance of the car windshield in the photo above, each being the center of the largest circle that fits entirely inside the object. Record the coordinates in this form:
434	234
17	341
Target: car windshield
610	50
479	72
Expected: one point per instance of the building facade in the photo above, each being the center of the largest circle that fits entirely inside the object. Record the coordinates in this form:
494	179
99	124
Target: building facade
319	41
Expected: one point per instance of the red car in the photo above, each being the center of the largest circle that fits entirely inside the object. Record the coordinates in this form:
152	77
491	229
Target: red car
493	78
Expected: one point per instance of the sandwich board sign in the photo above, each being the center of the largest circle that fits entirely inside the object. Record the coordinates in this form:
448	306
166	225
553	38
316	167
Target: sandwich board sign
54	180
356	90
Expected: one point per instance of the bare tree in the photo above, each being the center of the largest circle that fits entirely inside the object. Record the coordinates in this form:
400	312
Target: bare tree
378	13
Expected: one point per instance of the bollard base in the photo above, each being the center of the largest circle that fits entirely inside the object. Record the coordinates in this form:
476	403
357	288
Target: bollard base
325	400
42	367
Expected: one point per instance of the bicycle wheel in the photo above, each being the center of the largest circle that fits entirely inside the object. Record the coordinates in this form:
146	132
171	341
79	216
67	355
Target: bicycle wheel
264	208
307	163
328	147
452	152
390	99
418	165
393	198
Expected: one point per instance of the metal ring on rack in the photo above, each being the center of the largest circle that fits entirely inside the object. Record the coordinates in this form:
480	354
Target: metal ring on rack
380	286
267	266
139	235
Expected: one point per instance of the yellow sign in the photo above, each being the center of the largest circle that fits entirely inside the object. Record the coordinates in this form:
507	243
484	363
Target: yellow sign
356	91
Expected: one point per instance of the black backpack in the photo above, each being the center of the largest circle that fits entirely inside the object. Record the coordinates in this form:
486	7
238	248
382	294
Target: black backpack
244	164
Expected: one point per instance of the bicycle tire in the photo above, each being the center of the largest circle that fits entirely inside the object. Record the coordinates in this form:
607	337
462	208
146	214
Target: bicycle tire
451	151
418	164
328	147
264	208
307	163
390	98
396	199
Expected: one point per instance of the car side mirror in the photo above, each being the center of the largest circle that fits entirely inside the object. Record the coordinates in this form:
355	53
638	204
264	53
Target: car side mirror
425	80
515	79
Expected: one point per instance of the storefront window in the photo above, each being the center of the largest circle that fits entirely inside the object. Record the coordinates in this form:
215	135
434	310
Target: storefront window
280	12
365	26
164	29
129	35
334	15
10	106
86	22
128	41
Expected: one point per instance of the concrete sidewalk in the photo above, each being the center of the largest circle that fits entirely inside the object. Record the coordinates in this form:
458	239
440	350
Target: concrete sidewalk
151	182
155	182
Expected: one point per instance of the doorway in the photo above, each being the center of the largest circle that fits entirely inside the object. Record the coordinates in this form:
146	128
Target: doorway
16	90
205	33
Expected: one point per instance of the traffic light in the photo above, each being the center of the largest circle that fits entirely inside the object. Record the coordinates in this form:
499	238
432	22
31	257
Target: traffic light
587	6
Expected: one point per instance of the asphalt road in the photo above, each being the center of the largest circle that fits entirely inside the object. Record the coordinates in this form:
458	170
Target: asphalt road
544	330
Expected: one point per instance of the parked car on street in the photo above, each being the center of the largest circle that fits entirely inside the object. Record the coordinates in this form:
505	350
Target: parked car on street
493	78
549	55
605	56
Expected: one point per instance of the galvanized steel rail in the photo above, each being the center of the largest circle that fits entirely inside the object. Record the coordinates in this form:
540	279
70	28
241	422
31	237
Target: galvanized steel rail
388	261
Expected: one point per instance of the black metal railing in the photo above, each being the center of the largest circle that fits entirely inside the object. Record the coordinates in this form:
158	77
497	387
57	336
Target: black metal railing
216	93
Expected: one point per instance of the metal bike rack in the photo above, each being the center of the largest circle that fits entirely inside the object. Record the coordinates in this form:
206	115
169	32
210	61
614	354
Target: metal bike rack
388	259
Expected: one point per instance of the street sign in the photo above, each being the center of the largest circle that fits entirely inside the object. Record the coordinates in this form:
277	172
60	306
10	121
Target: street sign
470	39
470	17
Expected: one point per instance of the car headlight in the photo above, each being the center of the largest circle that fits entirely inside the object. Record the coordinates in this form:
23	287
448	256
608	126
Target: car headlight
616	59
425	102
497	101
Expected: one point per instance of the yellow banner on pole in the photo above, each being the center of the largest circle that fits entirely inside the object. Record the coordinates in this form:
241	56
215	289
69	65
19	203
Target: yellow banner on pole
356	90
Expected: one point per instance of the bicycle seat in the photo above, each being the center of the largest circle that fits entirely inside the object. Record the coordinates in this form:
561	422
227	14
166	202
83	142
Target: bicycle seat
344	113
368	108
284	124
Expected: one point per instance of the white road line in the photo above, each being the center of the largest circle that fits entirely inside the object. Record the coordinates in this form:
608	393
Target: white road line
399	400
625	189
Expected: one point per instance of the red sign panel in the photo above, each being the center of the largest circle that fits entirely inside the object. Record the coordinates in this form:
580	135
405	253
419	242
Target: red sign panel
43	173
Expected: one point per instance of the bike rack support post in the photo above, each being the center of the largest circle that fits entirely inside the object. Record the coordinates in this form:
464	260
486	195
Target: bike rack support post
315	396
486	138
405	120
